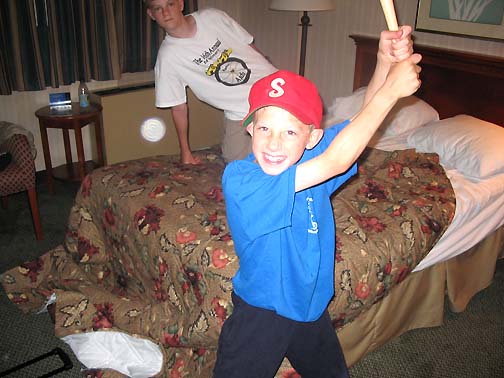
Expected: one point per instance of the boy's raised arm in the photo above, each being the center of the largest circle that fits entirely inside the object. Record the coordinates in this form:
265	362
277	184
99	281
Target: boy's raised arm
394	47
402	81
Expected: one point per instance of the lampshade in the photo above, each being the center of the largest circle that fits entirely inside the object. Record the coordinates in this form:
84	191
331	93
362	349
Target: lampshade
302	5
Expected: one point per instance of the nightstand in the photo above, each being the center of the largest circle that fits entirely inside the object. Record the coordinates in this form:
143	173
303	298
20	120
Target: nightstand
73	119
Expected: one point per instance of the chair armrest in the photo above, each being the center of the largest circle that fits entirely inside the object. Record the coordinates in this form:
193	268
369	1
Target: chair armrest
8	129
19	147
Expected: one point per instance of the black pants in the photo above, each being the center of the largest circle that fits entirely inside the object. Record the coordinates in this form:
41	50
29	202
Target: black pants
254	341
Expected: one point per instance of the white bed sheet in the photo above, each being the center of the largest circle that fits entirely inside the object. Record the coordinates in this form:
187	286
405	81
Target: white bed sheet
479	208
479	211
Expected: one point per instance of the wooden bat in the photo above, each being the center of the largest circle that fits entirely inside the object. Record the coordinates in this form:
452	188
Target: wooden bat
390	15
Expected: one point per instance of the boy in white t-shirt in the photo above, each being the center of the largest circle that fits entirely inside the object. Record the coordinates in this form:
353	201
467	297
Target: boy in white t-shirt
213	55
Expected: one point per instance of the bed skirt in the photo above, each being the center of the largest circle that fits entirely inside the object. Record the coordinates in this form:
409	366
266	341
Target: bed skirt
418	302
473	271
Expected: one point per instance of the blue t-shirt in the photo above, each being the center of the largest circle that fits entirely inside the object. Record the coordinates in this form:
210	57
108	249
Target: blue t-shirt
285	240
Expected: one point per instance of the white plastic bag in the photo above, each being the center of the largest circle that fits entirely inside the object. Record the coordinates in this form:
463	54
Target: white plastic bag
131	356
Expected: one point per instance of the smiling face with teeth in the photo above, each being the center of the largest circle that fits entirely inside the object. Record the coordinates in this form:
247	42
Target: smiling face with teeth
279	139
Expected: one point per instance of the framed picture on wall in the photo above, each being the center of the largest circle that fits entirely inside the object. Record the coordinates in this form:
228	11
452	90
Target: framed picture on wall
469	18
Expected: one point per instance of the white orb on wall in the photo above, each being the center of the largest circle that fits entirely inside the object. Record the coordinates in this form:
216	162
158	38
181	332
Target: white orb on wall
153	129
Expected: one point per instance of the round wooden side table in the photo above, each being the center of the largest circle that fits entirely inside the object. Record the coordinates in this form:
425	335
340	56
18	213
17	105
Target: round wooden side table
73	119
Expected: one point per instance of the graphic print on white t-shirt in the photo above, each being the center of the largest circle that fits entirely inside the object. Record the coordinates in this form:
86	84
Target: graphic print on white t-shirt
227	70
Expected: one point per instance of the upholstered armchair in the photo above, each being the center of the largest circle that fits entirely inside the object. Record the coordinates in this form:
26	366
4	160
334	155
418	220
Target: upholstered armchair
19	174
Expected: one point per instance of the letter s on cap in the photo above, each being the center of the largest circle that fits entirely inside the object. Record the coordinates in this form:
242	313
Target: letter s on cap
277	84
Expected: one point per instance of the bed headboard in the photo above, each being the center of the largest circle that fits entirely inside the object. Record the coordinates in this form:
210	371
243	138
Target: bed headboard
452	82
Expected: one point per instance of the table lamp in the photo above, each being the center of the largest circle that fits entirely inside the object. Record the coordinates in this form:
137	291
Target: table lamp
303	6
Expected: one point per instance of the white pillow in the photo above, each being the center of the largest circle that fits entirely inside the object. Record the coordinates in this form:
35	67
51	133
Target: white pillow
344	108
472	146
409	113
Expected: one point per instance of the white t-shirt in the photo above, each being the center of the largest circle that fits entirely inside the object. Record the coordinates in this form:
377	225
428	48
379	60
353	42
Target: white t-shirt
218	64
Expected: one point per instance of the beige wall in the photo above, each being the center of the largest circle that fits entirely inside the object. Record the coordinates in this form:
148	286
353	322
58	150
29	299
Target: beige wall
330	55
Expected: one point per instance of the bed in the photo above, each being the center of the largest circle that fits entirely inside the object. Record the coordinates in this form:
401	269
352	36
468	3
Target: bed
453	83
148	253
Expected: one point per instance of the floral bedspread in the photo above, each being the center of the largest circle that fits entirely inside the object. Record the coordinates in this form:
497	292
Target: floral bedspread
148	250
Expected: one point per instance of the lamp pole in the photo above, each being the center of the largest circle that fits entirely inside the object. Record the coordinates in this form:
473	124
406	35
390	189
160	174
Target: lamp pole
305	22
304	6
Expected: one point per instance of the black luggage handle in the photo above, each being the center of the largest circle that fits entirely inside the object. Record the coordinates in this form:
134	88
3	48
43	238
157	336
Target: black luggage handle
67	363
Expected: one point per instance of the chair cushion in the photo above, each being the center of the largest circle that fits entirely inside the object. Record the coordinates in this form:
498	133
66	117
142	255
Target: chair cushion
19	175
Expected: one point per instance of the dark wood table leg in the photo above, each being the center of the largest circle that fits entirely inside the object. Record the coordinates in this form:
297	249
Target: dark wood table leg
68	152
80	149
47	156
99	143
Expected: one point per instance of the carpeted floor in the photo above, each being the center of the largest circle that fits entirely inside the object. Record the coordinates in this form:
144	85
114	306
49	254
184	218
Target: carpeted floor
468	345
27	336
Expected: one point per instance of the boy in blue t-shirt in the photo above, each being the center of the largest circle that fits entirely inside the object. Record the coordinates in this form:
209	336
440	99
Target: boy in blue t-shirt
281	220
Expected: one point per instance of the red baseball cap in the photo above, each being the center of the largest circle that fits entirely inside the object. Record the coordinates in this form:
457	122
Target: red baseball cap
289	91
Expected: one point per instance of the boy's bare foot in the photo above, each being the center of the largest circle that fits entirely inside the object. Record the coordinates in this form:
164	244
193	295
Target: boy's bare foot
189	159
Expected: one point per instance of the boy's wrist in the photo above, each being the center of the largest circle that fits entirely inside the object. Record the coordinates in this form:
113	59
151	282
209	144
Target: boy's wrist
386	96
382	68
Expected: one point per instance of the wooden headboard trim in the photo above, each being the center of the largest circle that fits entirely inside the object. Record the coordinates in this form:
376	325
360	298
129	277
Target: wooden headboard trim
453	82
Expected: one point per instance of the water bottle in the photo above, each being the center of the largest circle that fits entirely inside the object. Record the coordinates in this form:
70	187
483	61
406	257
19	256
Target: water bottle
83	95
